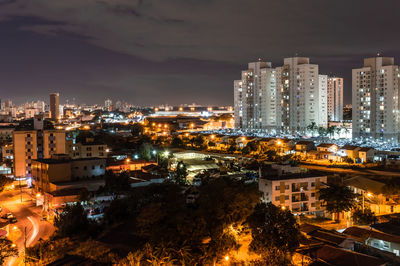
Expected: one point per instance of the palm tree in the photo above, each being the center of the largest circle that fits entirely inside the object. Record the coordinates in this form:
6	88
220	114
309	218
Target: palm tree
312	127
331	131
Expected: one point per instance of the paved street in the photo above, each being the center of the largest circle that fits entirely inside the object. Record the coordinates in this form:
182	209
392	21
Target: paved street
352	171
29	219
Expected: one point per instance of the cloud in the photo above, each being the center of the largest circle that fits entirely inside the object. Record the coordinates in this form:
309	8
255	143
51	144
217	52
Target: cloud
221	30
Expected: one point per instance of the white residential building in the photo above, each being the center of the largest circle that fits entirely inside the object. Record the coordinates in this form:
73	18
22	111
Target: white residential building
335	99
375	104
286	98
299	90
323	100
252	108
297	192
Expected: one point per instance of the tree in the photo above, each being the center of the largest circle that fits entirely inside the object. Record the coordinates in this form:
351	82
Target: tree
365	217
72	221
137	130
117	183
145	151
4	181
349	160
322	131
177	142
7	249
331	131
181	173
271	155
199	141
275	232
337	199
312	128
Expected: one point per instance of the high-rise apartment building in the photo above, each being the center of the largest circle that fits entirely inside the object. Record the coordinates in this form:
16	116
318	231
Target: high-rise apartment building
35	139
335	99
252	108
286	98
375	100
54	106
108	105
302	95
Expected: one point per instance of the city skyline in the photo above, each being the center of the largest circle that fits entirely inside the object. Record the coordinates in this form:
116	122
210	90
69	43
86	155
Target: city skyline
158	49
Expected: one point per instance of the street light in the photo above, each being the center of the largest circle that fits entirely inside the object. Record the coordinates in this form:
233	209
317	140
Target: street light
226	258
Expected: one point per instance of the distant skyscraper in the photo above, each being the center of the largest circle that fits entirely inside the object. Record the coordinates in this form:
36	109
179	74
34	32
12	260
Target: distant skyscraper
54	106
335	99
108	104
376	99
286	98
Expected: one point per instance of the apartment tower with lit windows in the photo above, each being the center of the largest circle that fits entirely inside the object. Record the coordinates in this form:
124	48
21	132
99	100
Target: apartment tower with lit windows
255	97
335	99
375	101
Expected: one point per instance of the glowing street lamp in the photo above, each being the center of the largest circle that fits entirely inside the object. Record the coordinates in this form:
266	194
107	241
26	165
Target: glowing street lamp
226	258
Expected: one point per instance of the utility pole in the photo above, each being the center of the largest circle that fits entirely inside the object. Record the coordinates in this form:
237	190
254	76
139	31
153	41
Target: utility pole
20	188
25	247
363	196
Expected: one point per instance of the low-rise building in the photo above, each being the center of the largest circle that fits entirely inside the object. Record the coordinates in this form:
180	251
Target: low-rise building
350	151
373	195
6	132
7	151
298	192
128	165
87	149
60	169
366	154
376	239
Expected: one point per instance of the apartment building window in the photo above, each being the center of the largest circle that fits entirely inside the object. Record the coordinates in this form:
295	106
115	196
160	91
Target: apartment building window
313	194
312	184
277	198
277	187
88	154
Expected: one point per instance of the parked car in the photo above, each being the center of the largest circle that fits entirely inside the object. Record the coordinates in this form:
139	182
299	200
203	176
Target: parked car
13	220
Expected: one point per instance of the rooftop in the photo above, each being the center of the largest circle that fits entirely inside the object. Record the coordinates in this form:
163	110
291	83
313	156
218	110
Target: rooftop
362	233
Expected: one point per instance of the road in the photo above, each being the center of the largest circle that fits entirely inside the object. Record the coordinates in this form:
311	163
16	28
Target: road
29	220
352	171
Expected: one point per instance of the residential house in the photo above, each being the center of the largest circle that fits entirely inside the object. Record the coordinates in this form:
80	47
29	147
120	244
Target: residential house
373	194
366	154
376	239
350	151
328	151
304	146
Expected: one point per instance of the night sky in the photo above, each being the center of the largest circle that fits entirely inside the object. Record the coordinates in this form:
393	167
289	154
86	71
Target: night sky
179	51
